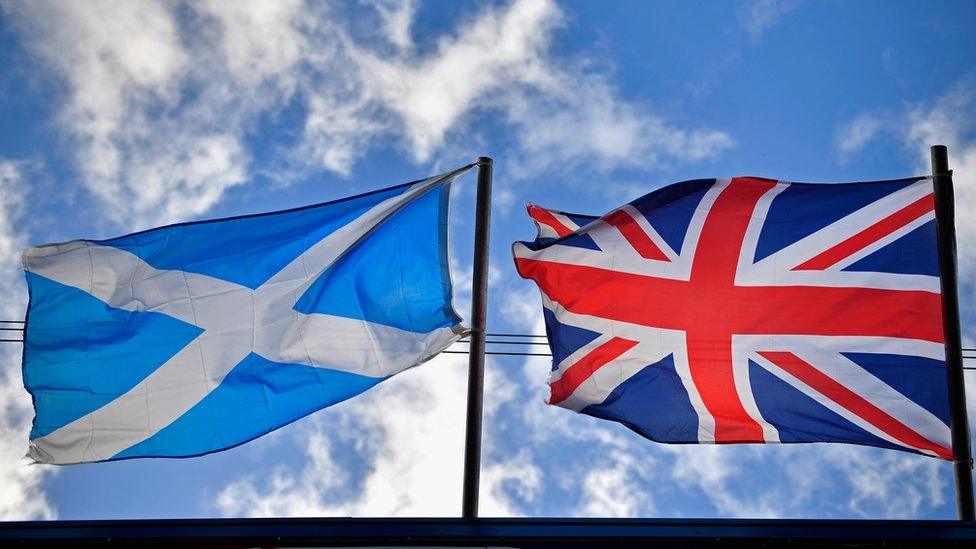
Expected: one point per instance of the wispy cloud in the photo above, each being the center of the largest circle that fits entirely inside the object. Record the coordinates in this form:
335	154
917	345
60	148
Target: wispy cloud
396	17
951	121
409	433
22	496
851	138
506	483
948	120
761	15
145	147
608	490
810	480
164	100
581	123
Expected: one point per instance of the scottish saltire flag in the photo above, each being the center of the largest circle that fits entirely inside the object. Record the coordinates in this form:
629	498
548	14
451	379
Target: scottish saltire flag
197	337
750	310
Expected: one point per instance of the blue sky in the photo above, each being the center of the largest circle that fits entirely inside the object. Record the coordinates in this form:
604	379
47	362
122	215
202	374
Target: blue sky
118	117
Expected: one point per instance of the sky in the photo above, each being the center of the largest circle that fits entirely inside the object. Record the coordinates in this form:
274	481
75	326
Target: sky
119	116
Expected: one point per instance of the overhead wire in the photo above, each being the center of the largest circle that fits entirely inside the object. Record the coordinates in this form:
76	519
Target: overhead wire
969	353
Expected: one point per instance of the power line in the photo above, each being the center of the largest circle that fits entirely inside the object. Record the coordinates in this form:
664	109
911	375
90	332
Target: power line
489	342
508	342
501	353
490	334
504	353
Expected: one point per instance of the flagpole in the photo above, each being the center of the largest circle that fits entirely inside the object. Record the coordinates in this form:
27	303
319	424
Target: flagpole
945	223
476	348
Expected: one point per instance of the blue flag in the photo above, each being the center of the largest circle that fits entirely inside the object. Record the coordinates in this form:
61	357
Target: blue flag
197	337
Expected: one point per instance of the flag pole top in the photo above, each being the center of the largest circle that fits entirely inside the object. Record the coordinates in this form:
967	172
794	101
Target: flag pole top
940	160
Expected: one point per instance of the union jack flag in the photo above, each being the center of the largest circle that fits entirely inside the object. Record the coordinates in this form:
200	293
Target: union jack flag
750	310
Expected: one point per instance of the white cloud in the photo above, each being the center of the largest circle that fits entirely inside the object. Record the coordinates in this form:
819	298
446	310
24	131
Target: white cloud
610	490
430	94
762	15
409	431
22	496
854	136
821	480
163	98
520	475
144	147
259	40
949	120
397	18
898	485
580	122
287	493
724	475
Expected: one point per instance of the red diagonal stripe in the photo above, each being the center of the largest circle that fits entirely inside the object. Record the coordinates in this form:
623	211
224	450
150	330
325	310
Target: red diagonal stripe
850	400
831	256
545	217
584	368
635	235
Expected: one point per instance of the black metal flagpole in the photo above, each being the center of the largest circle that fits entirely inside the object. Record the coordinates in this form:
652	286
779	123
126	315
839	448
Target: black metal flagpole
476	349
945	223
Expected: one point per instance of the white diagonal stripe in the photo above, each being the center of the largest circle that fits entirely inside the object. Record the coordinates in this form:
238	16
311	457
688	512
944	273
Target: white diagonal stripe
236	321
777	268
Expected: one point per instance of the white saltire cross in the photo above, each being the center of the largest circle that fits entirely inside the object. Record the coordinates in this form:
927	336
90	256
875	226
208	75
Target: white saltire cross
236	321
